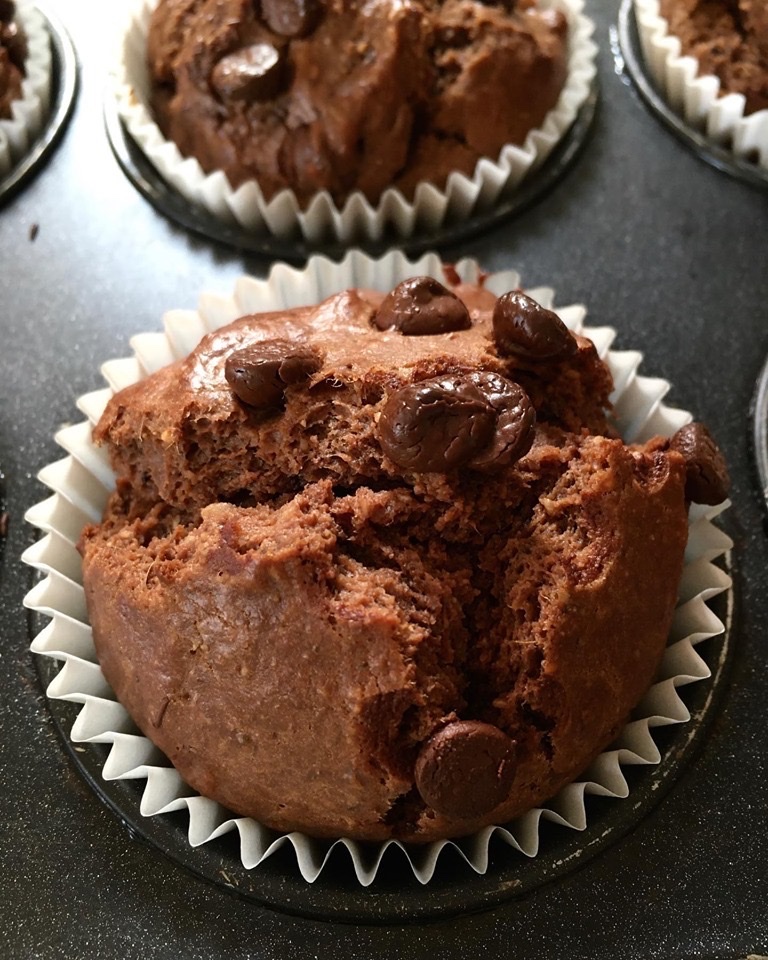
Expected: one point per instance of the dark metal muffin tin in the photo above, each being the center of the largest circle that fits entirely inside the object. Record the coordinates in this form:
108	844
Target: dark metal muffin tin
665	248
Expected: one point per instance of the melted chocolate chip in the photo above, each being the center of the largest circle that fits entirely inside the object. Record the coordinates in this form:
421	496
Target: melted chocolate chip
259	373
421	306
515	421
706	473
291	18
466	769
13	38
479	420
253	73
522	327
7	10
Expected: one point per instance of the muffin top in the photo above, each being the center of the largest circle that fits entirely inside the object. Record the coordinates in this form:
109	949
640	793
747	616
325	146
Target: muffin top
729	38
351	95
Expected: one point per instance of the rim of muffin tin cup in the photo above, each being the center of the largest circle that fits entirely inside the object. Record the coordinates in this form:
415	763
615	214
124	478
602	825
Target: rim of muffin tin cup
495	182
80	485
688	101
30	112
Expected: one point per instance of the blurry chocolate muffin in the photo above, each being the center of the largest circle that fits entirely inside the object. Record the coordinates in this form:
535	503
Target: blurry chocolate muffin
346	95
13	54
381	567
729	38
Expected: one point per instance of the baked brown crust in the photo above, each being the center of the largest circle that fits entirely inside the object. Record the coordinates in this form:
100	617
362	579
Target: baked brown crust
293	643
375	95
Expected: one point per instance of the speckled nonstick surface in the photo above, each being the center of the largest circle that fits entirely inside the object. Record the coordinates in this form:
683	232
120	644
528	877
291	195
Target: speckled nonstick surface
667	249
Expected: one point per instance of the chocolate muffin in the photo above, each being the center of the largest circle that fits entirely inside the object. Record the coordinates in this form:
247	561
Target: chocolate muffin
729	38
13	55
344	95
381	567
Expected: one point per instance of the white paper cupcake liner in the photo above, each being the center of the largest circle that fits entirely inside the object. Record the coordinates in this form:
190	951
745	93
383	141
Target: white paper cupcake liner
29	112
322	219
81	483
696	96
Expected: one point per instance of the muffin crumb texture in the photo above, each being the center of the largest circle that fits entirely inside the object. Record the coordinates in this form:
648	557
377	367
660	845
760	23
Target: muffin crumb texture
729	38
351	95
381	567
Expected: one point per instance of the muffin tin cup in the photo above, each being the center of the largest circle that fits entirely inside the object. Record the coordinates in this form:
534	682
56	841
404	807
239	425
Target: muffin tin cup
30	112
358	221
81	483
695	96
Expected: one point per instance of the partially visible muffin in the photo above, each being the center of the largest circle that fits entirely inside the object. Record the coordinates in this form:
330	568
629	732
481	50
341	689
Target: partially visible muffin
729	38
346	95
13	54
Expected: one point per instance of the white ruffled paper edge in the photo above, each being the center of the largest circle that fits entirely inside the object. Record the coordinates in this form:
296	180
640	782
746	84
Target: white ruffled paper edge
357	220
28	113
696	97
81	483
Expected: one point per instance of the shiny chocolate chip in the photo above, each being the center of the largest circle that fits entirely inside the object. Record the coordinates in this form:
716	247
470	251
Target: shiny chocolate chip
252	73
291	18
258	374
466	769
13	38
7	10
706	473
523	328
478	420
515	421
421	306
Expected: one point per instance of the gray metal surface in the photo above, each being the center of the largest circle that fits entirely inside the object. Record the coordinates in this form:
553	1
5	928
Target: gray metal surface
657	243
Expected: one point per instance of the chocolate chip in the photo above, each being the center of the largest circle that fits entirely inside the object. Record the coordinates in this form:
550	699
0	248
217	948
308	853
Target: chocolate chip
515	421
291	18
706	473
259	373
522	327
479	420
420	306
7	10
466	769
253	73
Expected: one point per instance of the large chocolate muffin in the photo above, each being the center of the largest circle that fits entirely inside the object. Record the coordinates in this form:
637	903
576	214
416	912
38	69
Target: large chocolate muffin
346	95
381	567
729	38
13	54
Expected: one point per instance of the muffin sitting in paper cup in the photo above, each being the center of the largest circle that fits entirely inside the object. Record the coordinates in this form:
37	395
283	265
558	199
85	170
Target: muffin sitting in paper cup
711	61
381	567
25	76
347	116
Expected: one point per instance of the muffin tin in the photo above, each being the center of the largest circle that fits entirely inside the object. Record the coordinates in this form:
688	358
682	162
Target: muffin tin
665	248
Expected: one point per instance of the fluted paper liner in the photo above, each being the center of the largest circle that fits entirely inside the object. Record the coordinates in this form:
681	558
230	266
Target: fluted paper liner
29	112
357	219
81	483
696	96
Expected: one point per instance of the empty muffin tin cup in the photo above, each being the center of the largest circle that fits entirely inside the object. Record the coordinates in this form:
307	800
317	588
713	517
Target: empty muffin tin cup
357	221
81	482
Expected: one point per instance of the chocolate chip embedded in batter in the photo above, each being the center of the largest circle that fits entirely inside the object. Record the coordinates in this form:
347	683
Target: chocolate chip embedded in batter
259	373
421	306
291	18
253	73
515	421
436	425
7	10
13	38
478	420
466	769
706	473
522	327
